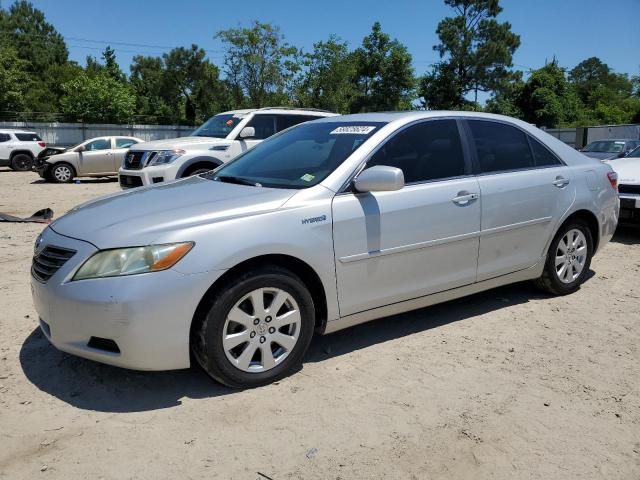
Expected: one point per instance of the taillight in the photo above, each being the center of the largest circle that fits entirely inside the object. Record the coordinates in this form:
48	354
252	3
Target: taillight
42	144
613	180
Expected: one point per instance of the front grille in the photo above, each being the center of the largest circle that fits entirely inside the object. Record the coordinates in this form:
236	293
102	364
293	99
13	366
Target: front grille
629	189
48	262
133	160
129	181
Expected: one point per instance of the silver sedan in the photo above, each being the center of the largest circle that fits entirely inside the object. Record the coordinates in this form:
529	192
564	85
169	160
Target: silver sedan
329	224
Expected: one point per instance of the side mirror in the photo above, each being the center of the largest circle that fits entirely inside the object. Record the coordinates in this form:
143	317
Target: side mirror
80	149
379	179
248	132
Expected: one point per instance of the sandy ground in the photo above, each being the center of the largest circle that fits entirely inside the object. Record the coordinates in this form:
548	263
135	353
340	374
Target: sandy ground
508	384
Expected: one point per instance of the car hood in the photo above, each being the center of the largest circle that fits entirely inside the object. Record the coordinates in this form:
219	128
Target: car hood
628	170
145	215
185	143
600	155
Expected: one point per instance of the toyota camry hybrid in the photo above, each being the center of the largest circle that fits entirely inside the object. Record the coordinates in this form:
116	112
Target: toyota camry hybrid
328	224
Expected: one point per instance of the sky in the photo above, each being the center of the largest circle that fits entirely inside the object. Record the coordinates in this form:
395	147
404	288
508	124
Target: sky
570	30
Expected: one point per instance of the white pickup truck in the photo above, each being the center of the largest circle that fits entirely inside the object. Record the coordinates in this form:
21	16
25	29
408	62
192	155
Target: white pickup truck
220	139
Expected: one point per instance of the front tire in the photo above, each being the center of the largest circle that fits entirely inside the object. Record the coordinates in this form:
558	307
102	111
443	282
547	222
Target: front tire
62	173
257	329
21	162
568	259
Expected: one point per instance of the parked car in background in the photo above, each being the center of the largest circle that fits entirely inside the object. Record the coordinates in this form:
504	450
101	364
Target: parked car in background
96	157
220	139
608	149
330	224
19	148
628	170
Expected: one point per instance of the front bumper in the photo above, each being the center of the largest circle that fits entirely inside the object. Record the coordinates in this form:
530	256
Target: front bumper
629	208
147	316
146	176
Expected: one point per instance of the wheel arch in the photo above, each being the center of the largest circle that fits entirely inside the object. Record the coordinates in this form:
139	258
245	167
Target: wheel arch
591	220
18	152
198	162
303	270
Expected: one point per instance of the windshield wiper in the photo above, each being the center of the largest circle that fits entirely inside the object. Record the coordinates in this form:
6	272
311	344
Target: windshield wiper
238	180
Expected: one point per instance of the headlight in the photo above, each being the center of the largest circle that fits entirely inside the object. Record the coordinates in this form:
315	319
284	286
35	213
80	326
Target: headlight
166	156
131	261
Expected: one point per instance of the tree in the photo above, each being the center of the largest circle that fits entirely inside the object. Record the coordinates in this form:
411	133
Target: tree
34	39
189	74
260	66
476	54
328	80
548	99
152	99
98	98
384	75
504	100
14	80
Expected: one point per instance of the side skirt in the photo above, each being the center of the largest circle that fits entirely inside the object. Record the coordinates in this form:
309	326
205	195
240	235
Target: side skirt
428	300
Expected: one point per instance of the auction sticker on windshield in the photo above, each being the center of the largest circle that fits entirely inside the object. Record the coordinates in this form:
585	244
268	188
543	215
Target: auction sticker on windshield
353	129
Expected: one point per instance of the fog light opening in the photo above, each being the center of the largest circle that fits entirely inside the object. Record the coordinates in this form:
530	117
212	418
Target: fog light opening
105	344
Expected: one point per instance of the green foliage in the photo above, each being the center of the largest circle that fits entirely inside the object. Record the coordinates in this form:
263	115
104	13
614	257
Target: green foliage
384	75
476	52
260	66
328	81
14	80
548	99
26	29
98	98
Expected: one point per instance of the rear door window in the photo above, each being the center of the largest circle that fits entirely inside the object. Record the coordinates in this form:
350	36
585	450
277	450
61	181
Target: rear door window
500	147
28	137
125	142
285	121
543	157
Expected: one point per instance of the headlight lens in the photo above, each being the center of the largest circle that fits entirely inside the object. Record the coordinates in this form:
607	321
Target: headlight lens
131	261
166	156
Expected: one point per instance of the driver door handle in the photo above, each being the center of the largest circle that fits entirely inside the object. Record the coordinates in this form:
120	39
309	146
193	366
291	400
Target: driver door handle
465	198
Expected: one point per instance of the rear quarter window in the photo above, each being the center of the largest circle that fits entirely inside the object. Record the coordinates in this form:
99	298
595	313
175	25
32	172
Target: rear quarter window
28	137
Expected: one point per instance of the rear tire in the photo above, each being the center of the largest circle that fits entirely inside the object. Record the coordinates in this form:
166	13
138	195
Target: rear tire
21	162
62	173
568	259
257	328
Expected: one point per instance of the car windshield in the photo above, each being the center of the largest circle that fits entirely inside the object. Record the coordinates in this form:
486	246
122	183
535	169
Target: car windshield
298	158
605	147
218	126
635	153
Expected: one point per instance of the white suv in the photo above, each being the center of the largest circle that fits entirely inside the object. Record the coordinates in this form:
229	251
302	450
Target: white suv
19	148
220	139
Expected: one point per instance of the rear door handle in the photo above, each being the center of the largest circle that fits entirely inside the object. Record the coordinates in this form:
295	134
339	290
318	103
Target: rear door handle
465	198
561	182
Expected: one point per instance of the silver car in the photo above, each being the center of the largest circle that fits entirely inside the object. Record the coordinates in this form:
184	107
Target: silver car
329	224
96	157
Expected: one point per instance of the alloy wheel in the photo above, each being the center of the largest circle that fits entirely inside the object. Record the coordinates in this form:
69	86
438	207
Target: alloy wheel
261	330
571	256
62	173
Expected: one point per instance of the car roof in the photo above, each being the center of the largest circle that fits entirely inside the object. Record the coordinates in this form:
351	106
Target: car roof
283	111
16	130
388	117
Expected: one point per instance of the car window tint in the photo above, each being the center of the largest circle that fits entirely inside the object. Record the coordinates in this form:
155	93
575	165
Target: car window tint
100	144
500	147
28	137
542	155
124	142
264	126
286	121
4	137
427	151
